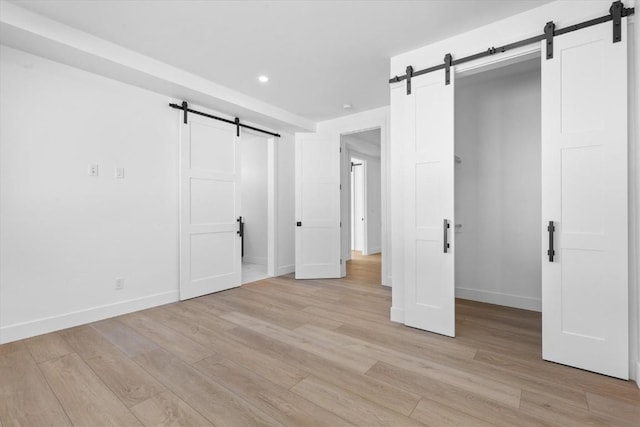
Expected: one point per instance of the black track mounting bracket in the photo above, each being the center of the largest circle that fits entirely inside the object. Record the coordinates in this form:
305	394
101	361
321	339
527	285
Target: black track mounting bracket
409	75
616	16
185	107
549	29
447	69
237	122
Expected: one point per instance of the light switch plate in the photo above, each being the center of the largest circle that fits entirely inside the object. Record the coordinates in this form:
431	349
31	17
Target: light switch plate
93	169
119	173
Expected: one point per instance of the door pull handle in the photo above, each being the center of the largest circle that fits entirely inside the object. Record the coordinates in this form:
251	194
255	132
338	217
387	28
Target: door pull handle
445	227
551	228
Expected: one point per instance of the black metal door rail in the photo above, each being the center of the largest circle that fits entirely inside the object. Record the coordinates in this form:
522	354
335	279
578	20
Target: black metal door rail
185	108
616	13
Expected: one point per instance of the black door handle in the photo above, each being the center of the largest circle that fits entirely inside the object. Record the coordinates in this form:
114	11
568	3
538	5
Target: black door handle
551	252
240	226
445	240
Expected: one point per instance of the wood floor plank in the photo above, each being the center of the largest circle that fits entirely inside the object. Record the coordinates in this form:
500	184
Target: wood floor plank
382	393
25	396
473	404
471	382
168	410
224	346
167	338
432	413
554	412
349	406
123	376
216	403
86	400
125	338
48	346
347	359
283	405
616	408
87	342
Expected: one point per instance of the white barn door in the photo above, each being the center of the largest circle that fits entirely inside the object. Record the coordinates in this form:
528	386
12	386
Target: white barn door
317	193
210	259
429	204
584	193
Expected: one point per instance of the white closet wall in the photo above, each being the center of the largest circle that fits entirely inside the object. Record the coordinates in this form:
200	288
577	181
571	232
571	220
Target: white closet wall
254	198
498	186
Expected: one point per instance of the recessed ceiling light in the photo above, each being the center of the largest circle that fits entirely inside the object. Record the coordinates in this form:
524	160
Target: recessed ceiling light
347	106
263	78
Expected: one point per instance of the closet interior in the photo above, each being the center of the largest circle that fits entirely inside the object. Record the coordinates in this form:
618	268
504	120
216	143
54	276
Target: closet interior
498	187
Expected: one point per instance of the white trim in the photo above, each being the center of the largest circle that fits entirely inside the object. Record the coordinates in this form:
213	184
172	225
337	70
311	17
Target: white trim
286	269
397	314
374	251
272	207
492	62
45	325
636	375
499	298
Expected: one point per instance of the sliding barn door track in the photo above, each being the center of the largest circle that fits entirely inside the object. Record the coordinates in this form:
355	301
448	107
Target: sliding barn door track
185	109
616	13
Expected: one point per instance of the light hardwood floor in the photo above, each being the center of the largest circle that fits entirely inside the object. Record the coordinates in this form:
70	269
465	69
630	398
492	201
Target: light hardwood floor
298	353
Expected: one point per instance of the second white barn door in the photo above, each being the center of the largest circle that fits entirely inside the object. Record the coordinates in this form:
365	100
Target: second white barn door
429	204
584	195
210	259
317	209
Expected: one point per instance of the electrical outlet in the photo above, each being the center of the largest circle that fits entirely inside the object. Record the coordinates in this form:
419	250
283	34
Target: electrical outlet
119	173
93	170
119	283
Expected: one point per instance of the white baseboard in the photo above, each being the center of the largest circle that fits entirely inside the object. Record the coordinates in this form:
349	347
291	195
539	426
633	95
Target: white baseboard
372	251
517	301
254	260
285	269
636	374
32	328
397	315
386	281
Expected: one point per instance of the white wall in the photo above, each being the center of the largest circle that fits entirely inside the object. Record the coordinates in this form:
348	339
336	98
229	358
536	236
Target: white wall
254	197
498	187
501	32
286	204
67	236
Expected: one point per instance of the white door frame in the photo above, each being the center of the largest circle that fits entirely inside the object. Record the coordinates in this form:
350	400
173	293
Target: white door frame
272	207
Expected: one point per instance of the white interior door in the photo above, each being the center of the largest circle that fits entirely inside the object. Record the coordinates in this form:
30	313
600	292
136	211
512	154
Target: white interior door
429	204
584	192
317	207
209	207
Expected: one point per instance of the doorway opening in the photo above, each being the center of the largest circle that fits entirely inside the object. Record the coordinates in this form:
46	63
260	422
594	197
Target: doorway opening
255	206
357	205
362	197
498	188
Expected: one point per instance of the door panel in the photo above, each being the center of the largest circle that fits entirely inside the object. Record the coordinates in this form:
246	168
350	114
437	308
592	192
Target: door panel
429	201
584	191
317	207
209	205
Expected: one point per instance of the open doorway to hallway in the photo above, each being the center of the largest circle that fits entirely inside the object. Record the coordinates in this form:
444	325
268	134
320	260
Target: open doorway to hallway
362	212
